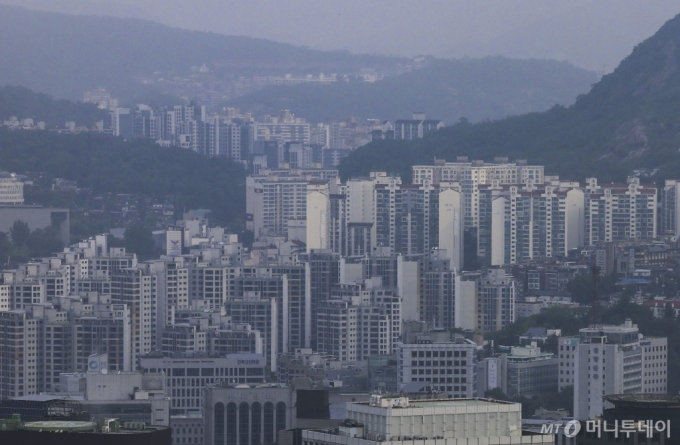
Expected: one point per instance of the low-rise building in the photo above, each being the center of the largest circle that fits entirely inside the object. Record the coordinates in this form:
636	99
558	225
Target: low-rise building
449	366
394	420
525	372
243	414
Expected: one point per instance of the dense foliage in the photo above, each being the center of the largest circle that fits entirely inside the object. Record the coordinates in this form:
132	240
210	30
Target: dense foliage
66	55
24	103
110	165
549	400
20	244
628	120
478	89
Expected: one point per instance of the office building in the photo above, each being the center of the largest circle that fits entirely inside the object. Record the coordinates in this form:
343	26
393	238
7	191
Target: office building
186	374
129	396
449	366
525	372
613	360
243	414
394	420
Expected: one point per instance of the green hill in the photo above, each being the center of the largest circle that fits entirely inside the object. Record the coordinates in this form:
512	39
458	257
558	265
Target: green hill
65	55
25	103
110	165
477	89
630	119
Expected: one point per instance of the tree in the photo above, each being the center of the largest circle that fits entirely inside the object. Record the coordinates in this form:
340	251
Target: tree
140	240
20	233
669	312
496	393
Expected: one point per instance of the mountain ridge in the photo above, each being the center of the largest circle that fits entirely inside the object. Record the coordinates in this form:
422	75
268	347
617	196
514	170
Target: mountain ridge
477	89
628	120
65	55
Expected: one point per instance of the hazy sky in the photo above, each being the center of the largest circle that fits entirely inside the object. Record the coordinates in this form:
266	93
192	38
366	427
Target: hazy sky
595	34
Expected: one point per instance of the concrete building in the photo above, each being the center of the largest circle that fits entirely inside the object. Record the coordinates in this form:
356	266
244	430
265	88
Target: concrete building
525	372
128	396
416	128
618	212
317	218
485	300
670	206
243	414
521	223
262	315
470	175
37	217
19	366
612	360
285	128
276	196
449	366
186	374
393	420
11	189
437	289
187	429
360	320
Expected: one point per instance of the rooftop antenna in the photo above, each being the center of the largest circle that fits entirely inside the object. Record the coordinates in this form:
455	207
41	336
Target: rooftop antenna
595	310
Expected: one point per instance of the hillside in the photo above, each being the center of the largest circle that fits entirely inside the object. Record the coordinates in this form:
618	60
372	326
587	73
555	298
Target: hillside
477	89
110	165
65	55
628	120
25	103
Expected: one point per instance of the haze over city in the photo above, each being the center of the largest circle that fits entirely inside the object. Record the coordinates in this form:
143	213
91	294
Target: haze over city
337	222
592	34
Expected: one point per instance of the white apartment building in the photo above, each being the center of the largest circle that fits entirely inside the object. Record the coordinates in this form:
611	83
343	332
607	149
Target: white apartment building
395	420
520	223
611	360
470	175
361	319
11	189
286	128
318	216
449	366
618	212
19	364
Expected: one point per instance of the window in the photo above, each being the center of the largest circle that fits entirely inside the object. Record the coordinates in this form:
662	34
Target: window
219	424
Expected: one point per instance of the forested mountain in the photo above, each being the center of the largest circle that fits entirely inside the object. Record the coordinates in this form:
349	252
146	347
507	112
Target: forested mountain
110	165
65	55
25	103
477	89
630	119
